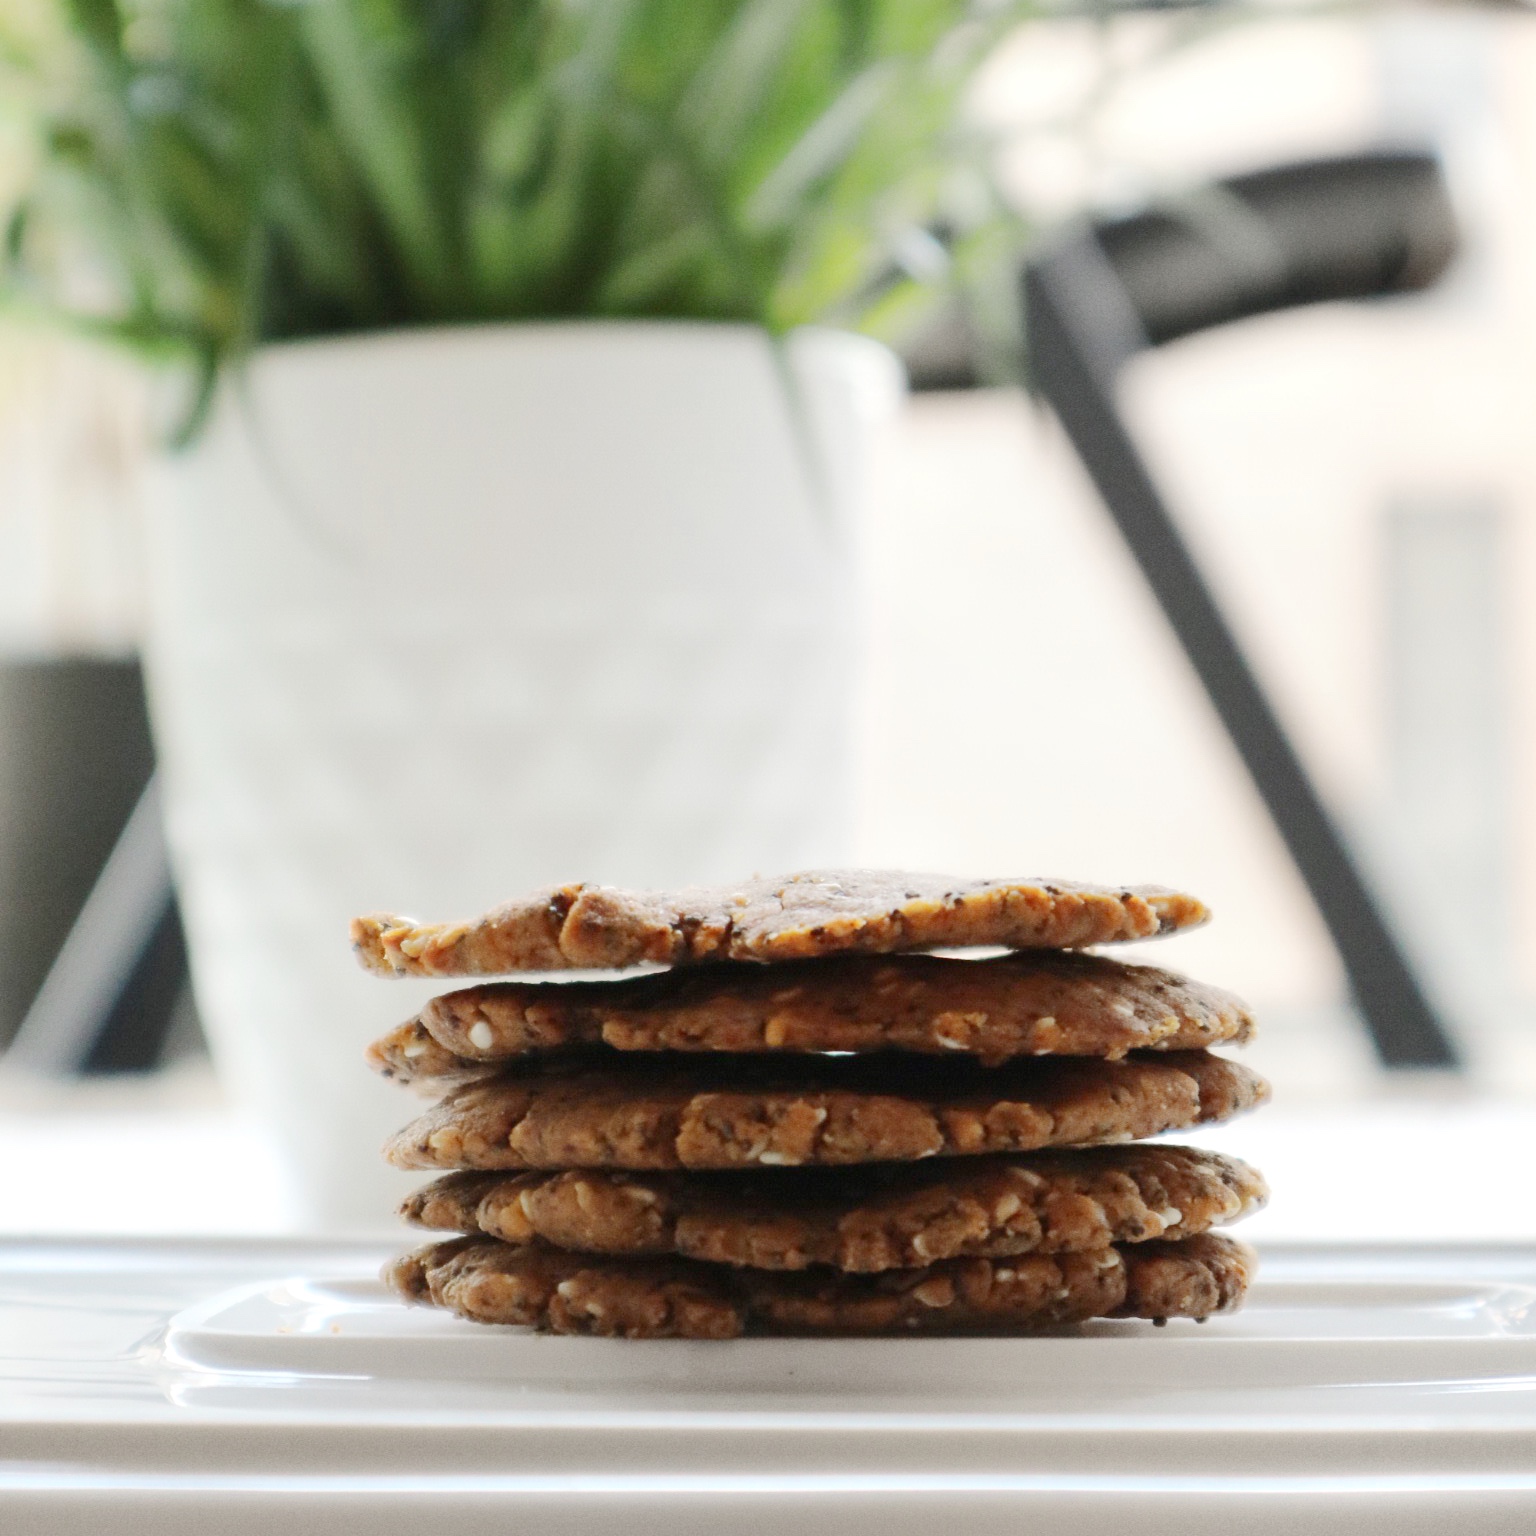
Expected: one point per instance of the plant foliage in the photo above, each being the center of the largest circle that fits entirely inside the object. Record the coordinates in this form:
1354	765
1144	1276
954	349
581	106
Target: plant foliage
207	174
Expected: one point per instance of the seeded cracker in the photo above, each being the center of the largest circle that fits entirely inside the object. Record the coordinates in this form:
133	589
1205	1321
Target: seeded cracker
742	1111
1037	1003
492	1282
863	1219
797	917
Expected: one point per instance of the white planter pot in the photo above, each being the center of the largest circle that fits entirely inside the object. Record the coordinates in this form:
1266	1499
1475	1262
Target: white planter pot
438	616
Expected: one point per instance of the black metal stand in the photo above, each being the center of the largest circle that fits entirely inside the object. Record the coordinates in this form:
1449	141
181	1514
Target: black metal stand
1084	320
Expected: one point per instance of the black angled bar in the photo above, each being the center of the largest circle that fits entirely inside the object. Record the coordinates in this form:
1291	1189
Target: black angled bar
1351	228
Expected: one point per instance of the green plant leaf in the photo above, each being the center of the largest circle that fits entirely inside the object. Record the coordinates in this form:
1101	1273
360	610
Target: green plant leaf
360	50
824	146
228	171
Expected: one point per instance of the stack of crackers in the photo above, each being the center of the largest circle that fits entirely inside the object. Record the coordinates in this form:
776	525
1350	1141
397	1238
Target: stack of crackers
808	1123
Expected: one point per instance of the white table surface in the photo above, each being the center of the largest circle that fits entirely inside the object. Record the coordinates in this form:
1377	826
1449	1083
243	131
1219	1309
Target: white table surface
259	1386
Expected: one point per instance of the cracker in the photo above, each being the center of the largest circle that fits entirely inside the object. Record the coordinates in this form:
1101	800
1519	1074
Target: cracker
449	1204
865	1219
492	1282
1197	1278
797	917
741	1111
411	1056
1044	1002
407	1275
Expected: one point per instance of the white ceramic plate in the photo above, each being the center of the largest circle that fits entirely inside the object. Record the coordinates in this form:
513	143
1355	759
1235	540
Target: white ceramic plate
1302	1324
258	1388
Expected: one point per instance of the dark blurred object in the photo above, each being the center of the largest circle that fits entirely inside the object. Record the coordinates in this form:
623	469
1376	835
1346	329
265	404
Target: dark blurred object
75	756
943	352
1299	234
969	336
92	968
1351	228
136	1031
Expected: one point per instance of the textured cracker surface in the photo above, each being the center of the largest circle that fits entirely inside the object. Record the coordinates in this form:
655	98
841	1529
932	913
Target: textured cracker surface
651	1112
493	1282
411	1056
865	1219
1044	1002
795	917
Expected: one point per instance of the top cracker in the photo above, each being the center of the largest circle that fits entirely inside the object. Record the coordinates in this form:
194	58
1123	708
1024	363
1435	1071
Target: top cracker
798	917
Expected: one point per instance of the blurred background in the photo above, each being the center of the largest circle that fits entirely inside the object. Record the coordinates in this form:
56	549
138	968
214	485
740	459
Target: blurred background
1357	481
